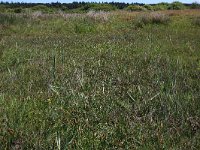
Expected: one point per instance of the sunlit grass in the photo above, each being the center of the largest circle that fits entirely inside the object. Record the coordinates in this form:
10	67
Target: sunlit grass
98	81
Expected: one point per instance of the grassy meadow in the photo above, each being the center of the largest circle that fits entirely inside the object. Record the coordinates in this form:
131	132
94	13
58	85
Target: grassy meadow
100	80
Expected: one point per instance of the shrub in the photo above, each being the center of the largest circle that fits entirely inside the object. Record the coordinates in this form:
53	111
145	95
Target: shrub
102	7
148	7
135	8
161	6
177	5
2	8
153	18
18	10
195	5
86	7
42	8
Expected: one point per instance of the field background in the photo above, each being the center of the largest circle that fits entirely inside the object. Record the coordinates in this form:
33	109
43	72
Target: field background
100	80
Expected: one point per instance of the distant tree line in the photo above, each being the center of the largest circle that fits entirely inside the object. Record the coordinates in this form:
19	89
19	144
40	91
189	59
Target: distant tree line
86	6
72	5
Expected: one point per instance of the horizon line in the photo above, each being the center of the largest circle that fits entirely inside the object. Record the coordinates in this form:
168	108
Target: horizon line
100	2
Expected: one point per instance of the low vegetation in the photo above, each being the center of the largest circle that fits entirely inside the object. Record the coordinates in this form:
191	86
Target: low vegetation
100	80
81	7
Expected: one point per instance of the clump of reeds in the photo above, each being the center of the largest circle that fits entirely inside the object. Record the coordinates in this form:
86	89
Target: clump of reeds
152	18
98	16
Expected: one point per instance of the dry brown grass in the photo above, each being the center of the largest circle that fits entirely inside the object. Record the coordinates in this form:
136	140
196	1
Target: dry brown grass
186	12
127	15
98	16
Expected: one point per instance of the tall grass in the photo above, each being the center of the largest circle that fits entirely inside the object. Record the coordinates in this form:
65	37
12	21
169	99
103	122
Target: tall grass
151	18
196	21
7	19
